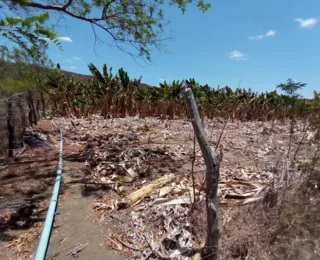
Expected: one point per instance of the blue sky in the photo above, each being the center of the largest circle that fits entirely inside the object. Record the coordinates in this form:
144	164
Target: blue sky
261	43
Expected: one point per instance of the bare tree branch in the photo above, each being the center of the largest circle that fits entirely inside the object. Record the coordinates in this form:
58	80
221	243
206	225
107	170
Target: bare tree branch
212	177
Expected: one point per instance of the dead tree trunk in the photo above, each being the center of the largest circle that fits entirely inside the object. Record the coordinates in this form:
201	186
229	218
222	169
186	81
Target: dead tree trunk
212	177
10	127
32	110
24	121
38	113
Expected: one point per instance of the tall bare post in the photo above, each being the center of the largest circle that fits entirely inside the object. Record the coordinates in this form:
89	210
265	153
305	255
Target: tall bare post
212	177
10	127
38	109
23	117
43	104
32	112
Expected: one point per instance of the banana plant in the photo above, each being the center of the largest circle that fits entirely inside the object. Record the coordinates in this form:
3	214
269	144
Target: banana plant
103	79
176	88
124	79
165	90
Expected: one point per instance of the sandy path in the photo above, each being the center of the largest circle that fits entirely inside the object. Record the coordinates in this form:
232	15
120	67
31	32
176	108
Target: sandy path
75	222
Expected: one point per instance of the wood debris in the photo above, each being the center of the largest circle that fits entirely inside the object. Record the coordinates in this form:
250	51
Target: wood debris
136	196
77	249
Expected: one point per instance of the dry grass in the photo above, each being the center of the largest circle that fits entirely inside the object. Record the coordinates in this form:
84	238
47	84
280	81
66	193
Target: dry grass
23	245
284	225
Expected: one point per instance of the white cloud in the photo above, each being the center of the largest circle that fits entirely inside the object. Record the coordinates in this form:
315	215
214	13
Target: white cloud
257	37
64	39
237	55
76	58
269	33
72	67
306	23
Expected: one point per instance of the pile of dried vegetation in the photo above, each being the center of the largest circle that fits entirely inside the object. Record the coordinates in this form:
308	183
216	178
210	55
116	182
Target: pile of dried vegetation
268	202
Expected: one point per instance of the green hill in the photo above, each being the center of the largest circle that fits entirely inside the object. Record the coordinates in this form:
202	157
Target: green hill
19	76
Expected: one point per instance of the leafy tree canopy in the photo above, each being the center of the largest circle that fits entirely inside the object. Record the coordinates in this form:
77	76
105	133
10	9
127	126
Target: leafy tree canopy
135	23
291	87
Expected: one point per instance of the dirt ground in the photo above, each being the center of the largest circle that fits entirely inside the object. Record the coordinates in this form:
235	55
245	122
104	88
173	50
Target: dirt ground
25	192
75	222
150	148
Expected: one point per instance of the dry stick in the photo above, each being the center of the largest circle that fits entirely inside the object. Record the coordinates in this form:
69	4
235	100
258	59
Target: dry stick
254	159
313	165
32	113
219	140
212	177
24	121
211	131
300	143
192	169
13	95
224	126
78	249
43	103
277	164
128	246
10	127
290	141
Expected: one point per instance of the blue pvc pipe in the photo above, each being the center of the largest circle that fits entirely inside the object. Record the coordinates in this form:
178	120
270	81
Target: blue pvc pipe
46	231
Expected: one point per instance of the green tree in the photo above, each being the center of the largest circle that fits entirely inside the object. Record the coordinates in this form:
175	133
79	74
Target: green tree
28	30
291	87
138	24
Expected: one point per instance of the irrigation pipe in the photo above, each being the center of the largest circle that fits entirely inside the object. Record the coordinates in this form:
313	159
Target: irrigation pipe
46	231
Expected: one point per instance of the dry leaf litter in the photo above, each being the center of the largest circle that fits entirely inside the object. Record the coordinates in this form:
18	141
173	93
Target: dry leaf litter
147	162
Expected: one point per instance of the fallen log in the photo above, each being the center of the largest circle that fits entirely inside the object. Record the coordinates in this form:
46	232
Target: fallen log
134	197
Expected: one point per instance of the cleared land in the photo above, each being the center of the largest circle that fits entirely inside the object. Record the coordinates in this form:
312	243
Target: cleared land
261	203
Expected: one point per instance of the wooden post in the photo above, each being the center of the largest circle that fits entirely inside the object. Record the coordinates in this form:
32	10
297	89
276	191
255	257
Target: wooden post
32	113
43	103
212	178
38	113
30	109
10	127
24	121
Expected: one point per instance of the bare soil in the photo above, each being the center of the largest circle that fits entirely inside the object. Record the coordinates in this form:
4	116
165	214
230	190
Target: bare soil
75	223
25	192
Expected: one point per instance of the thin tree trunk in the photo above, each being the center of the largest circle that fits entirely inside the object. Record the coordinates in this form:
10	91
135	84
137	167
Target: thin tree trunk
43	114
305	129
38	109
24	121
43	103
10	127
32	112
212	177
291	134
